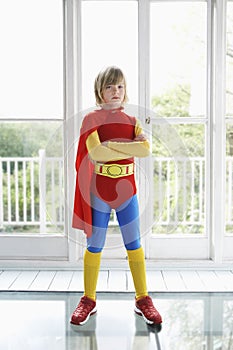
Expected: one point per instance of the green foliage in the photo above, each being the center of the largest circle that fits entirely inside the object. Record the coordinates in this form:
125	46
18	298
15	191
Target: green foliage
20	139
173	140
173	103
185	141
25	139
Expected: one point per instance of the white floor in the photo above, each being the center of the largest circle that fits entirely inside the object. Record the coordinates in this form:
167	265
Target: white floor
118	281
41	321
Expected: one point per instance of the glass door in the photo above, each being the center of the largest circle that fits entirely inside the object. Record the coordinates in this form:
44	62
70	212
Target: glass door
228	236
179	127
109	36
31	131
165	59
173	55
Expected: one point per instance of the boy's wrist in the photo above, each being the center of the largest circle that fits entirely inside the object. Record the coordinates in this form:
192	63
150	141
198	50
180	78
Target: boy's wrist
105	143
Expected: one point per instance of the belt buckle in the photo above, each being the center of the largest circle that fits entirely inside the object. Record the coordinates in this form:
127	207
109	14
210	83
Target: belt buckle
114	170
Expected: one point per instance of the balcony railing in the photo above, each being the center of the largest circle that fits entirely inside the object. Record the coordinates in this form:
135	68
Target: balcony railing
179	193
31	192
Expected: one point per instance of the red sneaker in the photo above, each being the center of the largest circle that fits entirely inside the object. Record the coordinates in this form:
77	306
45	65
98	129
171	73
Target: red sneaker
145	308
83	311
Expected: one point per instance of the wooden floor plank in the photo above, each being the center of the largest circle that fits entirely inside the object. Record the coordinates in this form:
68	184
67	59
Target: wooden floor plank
117	281
173	281
7	278
102	284
76	284
42	281
211	281
23	281
61	281
192	281
129	281
225	279
155	281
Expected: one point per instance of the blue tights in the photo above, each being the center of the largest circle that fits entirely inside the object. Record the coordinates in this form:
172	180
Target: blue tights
128	219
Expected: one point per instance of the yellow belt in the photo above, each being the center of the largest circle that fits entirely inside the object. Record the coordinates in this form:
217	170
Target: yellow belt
114	170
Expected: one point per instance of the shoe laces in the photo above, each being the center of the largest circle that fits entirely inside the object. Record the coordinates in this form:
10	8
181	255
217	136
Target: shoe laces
146	305
84	307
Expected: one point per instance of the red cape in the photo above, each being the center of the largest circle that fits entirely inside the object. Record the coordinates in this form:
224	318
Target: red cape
82	213
82	216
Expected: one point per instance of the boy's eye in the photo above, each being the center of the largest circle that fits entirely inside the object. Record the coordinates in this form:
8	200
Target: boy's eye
109	87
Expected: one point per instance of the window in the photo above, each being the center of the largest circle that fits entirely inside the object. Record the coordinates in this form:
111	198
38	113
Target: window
229	119
31	59
178	72
31	116
109	37
178	92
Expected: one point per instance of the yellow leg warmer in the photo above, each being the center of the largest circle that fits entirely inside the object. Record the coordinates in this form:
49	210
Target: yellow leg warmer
137	267
91	273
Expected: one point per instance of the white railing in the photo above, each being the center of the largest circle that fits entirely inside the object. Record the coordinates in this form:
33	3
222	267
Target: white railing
229	191
179	193
31	191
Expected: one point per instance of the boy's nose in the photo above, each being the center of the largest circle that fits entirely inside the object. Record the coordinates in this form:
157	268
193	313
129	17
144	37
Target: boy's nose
115	88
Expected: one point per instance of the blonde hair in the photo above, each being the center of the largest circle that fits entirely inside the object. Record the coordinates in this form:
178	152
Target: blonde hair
110	76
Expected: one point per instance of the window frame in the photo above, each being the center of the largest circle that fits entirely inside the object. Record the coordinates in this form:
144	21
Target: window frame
45	249
71	245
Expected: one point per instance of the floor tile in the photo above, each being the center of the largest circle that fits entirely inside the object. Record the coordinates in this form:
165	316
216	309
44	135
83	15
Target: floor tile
191	321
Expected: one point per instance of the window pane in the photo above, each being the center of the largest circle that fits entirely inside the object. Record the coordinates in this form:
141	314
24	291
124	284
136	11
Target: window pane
229	60
229	179
179	179
31	69
31	177
178	58
229	114
109	37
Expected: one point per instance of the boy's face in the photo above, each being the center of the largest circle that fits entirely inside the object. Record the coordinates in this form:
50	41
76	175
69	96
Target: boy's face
114	94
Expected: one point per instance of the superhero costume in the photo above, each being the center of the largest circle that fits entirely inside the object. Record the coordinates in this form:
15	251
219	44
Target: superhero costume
105	180
106	137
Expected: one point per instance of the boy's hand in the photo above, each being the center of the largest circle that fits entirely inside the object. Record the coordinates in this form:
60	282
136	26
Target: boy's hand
141	137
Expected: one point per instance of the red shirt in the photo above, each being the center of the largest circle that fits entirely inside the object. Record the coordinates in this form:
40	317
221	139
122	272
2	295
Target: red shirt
112	125
116	126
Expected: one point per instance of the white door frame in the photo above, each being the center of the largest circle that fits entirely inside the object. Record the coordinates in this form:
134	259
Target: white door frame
167	246
67	250
212	246
52	249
